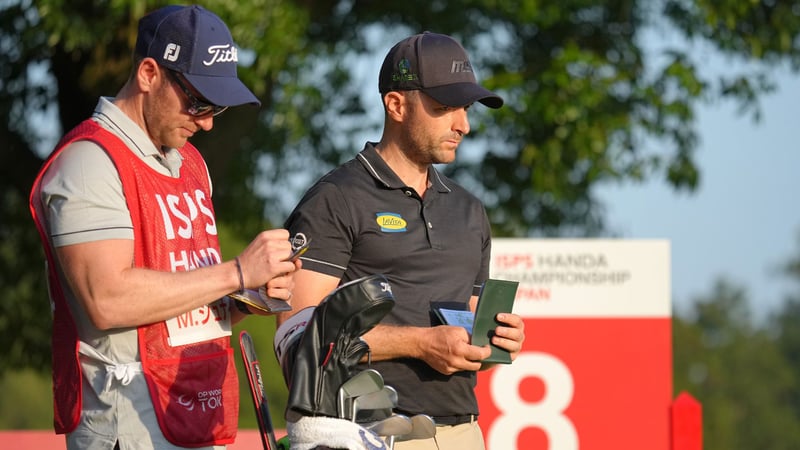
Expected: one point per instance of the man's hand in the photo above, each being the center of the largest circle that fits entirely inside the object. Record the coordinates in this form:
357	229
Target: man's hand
447	349
263	263
510	335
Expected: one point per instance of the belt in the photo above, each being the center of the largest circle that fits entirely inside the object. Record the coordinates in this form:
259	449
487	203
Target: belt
455	420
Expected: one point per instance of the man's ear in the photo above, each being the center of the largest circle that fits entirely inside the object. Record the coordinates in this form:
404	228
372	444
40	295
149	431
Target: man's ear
148	75
395	104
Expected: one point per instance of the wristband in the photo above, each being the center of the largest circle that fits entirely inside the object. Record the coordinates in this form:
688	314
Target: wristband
241	277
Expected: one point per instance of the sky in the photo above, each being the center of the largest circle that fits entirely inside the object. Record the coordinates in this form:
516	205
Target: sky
742	222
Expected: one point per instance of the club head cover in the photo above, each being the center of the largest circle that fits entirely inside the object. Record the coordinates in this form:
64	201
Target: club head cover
331	346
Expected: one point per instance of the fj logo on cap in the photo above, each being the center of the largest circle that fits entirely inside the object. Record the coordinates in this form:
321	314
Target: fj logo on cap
172	51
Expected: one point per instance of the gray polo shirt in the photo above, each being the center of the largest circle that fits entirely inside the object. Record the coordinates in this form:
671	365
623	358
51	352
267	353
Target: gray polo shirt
434	250
83	199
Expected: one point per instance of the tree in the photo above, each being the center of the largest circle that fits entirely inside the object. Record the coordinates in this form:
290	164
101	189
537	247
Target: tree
785	326
586	104
738	373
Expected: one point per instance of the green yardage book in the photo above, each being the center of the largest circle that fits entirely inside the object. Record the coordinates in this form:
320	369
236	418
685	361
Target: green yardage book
496	296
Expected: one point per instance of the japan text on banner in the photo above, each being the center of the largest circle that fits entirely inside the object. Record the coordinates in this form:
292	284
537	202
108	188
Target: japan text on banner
595	371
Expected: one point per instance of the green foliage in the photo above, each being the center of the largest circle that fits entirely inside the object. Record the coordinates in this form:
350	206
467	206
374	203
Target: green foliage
25	317
743	375
27	400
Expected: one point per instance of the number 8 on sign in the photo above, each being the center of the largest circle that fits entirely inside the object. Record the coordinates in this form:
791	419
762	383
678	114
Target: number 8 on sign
547	414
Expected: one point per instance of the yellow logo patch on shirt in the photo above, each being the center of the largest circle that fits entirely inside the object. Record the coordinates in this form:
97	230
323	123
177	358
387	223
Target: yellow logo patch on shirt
391	222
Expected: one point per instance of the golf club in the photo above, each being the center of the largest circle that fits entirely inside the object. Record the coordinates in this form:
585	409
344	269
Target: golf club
385	399
253	371
423	427
396	424
362	383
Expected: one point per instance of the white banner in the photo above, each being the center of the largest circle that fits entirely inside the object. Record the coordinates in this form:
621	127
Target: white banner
586	277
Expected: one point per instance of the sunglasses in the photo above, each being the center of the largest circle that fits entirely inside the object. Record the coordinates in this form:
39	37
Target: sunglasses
196	106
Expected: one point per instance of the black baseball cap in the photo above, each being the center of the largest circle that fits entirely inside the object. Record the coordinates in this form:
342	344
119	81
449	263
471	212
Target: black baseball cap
197	43
437	65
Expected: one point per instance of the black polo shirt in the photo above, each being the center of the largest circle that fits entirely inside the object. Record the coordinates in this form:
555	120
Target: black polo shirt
433	250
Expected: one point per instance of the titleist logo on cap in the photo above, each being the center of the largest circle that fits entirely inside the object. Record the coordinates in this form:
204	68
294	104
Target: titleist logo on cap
222	54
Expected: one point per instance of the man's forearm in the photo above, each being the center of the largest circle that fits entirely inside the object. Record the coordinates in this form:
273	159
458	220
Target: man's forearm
393	342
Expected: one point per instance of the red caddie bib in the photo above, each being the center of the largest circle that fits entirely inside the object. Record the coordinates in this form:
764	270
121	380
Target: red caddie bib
192	380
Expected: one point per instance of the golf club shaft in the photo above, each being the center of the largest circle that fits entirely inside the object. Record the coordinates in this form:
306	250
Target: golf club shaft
255	381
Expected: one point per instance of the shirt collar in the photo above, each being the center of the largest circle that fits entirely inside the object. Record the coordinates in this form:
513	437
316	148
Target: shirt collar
110	117
381	171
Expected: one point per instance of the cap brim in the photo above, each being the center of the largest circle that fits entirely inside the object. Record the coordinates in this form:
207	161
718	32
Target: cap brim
463	94
222	91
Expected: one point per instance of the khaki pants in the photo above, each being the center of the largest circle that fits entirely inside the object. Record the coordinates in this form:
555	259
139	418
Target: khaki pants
466	436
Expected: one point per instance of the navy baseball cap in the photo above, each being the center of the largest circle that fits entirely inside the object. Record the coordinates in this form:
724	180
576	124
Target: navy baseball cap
195	42
437	65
